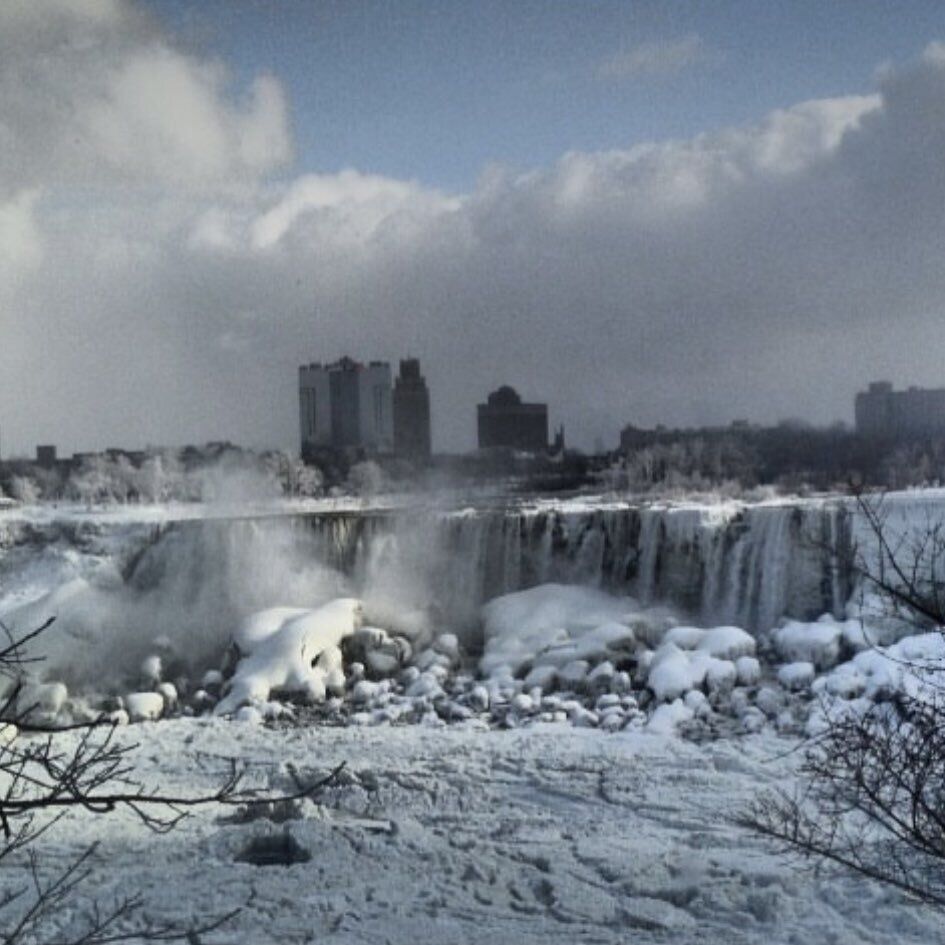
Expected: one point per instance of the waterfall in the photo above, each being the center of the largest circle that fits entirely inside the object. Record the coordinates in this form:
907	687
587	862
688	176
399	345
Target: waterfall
746	565
191	580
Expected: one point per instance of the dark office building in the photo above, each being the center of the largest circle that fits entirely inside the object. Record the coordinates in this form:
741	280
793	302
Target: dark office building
345	405
411	413
46	456
882	411
504	421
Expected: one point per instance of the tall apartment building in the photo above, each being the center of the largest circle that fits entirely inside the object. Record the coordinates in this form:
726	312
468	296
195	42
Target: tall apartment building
411	413
882	411
505	421
346	405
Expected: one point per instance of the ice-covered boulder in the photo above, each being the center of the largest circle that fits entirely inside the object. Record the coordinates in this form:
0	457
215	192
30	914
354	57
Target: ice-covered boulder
796	676
915	667
720	675
817	643
291	651
727	643
668	717
673	672
41	702
686	638
261	626
553	624
144	706
748	670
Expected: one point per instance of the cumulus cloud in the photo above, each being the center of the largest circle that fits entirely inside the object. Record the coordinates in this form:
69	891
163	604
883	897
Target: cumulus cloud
164	284
656	58
93	93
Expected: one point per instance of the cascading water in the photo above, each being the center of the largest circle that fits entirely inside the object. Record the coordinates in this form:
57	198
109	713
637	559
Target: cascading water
116	587
746	565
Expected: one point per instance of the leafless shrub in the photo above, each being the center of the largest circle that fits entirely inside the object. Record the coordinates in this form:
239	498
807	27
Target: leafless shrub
872	784
43	776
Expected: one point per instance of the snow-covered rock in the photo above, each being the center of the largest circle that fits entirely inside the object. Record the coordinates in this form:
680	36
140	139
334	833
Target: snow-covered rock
42	701
915	667
770	701
686	638
673	672
291	651
727	643
144	706
448	645
554	624
479	698
523	704
817	643
748	670
796	676
720	675
668	717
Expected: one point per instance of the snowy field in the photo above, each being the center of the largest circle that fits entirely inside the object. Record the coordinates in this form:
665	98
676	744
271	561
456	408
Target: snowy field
550	834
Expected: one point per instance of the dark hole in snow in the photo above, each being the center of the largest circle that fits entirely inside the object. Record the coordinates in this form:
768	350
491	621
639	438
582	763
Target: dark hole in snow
278	850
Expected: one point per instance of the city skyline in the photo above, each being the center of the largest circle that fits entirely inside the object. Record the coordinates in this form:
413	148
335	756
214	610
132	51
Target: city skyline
638	213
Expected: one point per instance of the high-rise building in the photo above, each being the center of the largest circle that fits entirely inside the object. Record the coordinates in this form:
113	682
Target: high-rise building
346	405
46	456
882	411
411	413
504	421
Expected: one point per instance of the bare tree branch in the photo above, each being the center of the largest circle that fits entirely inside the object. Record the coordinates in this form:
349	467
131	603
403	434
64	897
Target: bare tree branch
41	773
872	794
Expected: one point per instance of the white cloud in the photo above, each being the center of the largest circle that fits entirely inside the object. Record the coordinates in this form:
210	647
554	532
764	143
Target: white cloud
347	207
20	241
656	58
92	92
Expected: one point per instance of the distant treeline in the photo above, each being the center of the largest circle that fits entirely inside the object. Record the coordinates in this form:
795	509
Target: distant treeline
790	457
214	471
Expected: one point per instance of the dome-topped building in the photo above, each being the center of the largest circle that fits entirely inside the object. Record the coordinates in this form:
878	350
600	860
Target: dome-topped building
506	422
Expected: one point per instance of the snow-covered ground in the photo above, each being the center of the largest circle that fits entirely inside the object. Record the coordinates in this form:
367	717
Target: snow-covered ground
570	775
550	834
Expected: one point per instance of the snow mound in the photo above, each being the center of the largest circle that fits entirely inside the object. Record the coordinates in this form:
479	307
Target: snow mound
915	667
796	676
144	706
817	643
291	651
553	624
727	643
673	672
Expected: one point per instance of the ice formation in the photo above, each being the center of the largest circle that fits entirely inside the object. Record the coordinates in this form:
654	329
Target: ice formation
563	594
291	651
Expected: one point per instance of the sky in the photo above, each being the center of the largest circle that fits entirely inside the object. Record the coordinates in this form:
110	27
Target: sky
639	212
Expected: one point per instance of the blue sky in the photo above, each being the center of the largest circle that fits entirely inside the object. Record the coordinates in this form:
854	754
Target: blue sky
435	91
